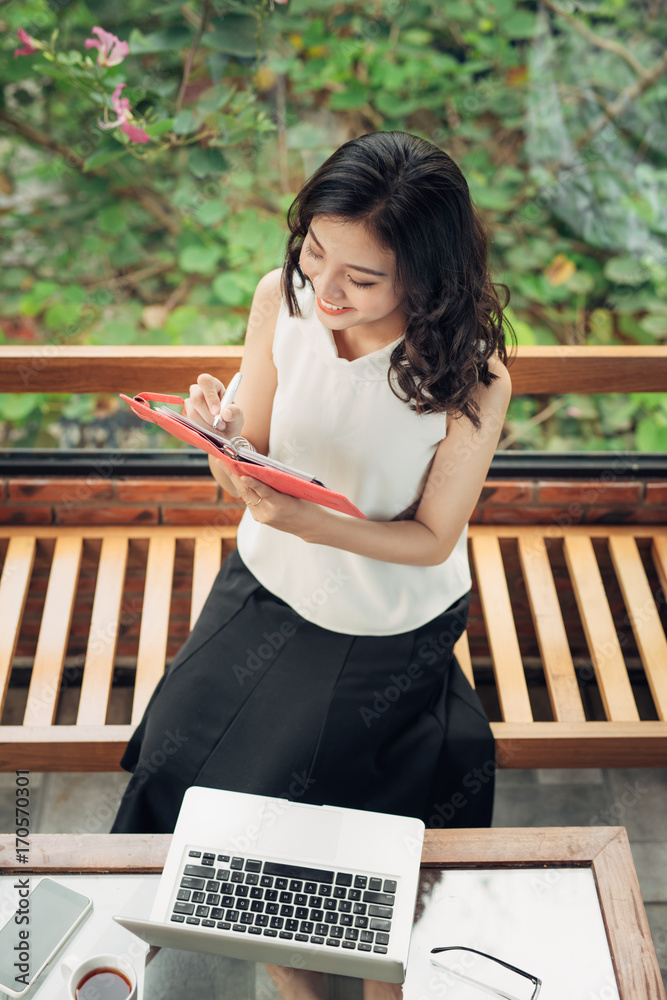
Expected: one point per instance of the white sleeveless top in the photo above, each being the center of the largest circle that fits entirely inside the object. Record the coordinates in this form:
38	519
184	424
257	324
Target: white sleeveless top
339	421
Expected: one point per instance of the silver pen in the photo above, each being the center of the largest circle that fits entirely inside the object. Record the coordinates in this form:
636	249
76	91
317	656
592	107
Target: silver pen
228	396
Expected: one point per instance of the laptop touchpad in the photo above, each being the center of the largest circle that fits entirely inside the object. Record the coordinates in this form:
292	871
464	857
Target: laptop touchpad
301	831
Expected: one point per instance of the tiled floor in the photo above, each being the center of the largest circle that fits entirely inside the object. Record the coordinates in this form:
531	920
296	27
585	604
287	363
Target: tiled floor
636	799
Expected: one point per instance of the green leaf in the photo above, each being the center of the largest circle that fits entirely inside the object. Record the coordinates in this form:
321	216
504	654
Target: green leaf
520	24
112	219
61	315
185	121
159	128
200	259
234	34
211	212
228	289
203	162
651	435
655	324
166	40
102	157
17	407
180	319
626	270
215	98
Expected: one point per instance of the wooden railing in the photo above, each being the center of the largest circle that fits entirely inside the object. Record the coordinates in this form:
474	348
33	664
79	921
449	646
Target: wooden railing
534	370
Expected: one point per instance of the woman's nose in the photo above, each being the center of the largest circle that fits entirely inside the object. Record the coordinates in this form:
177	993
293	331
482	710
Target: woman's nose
328	287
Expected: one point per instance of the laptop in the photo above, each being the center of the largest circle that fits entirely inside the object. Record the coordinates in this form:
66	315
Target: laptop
271	880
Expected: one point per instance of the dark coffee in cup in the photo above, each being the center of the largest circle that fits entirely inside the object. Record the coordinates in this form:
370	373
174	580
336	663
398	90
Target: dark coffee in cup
103	984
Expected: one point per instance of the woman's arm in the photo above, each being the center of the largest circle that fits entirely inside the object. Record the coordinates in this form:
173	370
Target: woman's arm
453	486
252	407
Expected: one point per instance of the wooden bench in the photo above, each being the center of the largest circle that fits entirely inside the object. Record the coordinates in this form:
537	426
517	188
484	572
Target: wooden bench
41	741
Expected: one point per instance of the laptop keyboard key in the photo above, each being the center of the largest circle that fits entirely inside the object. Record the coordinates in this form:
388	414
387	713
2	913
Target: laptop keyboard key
291	925
213	899
296	885
197	870
316	939
389	885
202	911
183	895
266	881
236	863
198	897
178	918
349	944
186	908
194	854
217	913
300	937
239	927
380	949
286	934
343	878
361	921
384	898
364	947
254	930
224	925
346	919
253	866
307	926
208	923
192	920
192	883
360	881
382	938
366	936
375	883
380	925
333	943
380	911
310	887
336	932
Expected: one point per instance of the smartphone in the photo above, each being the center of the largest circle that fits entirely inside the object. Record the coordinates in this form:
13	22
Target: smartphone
43	921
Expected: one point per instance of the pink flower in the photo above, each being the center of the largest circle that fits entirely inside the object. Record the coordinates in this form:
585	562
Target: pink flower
111	50
121	106
134	133
30	45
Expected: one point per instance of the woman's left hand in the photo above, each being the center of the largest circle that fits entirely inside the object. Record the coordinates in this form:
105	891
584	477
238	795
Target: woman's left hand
278	510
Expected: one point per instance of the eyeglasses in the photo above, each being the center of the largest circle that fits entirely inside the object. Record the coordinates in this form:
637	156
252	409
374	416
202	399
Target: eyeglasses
487	973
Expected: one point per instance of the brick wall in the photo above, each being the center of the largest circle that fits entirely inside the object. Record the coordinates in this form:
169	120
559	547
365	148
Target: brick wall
199	500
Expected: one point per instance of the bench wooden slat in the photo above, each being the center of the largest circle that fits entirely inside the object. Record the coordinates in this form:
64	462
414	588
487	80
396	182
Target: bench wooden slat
103	637
14	584
603	645
152	652
550	630
501	632
643	615
207	561
462	654
659	556
54	632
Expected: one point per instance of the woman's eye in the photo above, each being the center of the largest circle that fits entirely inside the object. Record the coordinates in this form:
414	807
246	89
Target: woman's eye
361	284
311	253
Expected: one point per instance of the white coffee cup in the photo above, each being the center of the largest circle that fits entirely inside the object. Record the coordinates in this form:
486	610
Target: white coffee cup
74	970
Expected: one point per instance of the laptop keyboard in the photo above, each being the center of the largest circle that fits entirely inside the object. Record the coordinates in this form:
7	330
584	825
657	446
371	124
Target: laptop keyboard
338	909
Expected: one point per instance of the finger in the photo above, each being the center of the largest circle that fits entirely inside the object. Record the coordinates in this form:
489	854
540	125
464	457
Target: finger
196	407
211	389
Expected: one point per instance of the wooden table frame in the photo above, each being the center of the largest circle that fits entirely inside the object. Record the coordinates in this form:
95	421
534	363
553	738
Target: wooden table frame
606	850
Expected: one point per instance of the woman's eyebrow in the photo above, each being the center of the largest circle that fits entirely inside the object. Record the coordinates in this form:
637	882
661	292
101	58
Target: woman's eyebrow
366	270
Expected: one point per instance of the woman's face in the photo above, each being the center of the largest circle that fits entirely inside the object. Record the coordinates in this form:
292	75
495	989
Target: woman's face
349	270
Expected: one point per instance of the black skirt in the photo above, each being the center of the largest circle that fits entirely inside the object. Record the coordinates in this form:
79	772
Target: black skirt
260	700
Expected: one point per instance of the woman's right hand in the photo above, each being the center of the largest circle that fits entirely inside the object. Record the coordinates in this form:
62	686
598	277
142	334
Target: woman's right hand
203	405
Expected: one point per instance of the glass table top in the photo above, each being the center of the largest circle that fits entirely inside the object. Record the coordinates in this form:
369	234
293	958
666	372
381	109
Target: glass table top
546	921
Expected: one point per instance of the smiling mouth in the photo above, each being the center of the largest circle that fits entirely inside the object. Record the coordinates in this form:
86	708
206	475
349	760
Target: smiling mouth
328	307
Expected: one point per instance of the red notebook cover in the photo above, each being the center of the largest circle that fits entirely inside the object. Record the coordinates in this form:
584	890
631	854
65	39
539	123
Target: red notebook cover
284	482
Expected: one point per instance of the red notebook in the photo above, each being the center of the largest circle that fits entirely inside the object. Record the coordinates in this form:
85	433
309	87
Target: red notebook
243	461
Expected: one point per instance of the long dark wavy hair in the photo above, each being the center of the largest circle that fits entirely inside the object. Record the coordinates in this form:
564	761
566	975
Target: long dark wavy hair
413	200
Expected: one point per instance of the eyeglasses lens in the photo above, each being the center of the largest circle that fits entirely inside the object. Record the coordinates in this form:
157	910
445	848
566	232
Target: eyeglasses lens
470	976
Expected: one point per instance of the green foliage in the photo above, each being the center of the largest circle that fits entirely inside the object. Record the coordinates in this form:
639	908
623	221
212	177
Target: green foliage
102	235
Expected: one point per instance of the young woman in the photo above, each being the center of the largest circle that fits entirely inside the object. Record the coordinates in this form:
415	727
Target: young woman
321	667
